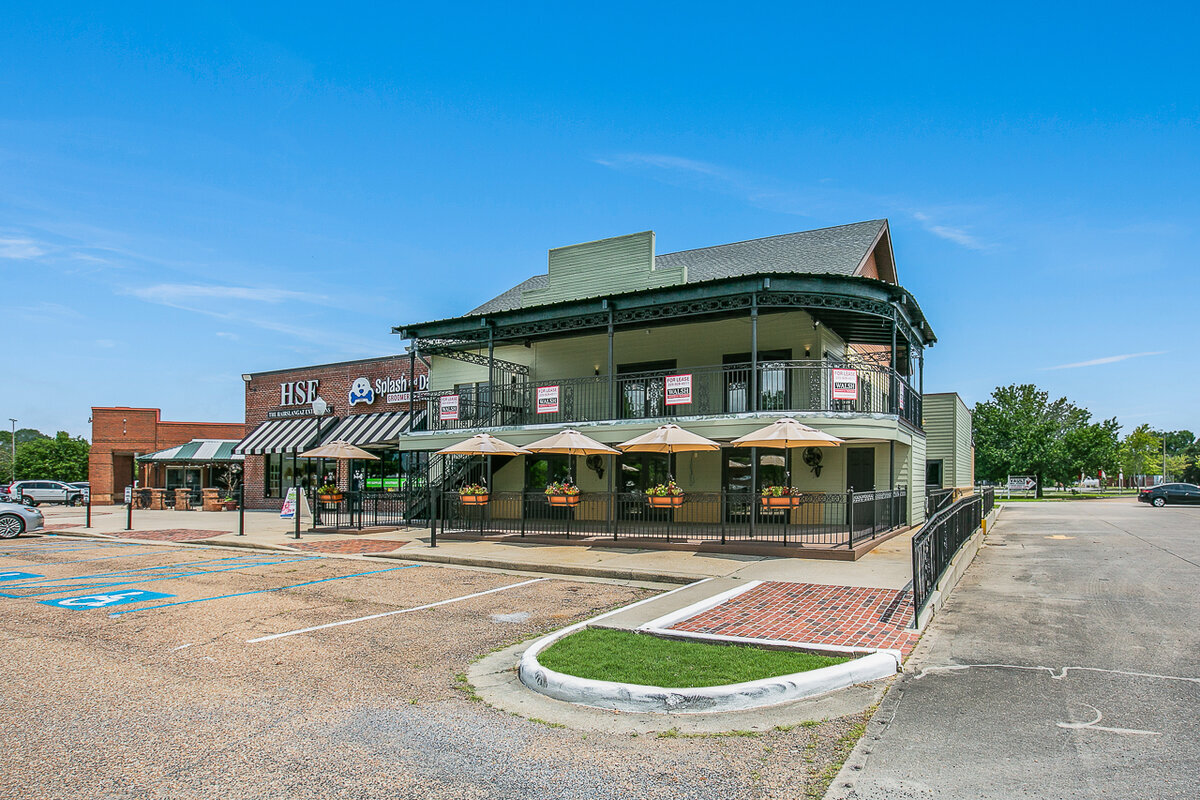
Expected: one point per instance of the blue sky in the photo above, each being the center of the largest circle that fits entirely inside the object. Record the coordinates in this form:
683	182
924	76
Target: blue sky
187	195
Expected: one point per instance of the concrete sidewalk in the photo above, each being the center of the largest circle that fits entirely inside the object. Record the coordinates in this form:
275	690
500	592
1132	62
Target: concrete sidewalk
887	567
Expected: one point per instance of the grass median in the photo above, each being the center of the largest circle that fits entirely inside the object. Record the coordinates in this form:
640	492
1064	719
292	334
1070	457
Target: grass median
611	655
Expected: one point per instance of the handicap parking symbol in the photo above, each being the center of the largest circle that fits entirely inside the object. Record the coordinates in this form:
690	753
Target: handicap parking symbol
17	576
105	600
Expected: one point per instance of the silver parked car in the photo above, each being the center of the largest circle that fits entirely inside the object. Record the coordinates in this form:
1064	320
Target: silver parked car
33	493
17	519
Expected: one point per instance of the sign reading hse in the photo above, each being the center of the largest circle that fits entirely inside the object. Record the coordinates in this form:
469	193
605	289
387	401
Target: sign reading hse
297	393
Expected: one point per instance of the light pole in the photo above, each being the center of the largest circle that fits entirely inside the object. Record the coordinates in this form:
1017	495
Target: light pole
14	448
319	408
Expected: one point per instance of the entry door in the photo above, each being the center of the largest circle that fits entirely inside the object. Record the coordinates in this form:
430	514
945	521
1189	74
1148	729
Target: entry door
860	476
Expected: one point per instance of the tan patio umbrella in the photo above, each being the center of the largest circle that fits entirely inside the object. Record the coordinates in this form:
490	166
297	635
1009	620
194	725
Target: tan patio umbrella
787	433
483	444
573	443
340	450
668	439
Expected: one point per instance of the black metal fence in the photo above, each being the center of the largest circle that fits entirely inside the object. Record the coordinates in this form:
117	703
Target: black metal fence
358	510
793	386
935	545
816	519
936	500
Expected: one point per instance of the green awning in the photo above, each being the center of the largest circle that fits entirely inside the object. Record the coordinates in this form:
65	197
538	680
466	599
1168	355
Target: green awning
197	451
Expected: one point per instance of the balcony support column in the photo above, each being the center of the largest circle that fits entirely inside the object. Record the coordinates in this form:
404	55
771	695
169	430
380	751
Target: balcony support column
752	405
892	378
493	417
612	393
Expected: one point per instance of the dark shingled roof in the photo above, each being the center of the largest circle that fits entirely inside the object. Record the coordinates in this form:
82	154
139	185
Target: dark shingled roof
828	251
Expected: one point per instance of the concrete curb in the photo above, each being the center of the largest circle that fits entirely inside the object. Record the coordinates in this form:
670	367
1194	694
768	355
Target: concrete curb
731	697
536	568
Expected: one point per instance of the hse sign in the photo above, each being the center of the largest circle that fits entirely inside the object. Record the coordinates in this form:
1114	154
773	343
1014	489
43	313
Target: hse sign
1020	483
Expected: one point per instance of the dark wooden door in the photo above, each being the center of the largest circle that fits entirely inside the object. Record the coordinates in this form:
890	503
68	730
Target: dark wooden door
860	477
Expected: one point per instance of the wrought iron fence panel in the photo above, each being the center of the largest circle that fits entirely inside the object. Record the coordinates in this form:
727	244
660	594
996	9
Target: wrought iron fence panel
813	519
935	545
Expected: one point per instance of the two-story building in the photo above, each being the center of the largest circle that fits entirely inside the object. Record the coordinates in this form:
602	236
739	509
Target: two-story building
616	339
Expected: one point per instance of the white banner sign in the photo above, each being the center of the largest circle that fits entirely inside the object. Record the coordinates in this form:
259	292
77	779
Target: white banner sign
1020	483
448	407
547	400
679	390
289	504
845	384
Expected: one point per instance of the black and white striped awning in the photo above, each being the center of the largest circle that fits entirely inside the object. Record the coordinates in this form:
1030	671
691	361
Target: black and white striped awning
374	429
282	436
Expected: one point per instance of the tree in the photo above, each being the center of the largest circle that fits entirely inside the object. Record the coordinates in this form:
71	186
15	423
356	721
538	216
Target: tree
1141	452
63	458
1090	447
1177	442
1021	431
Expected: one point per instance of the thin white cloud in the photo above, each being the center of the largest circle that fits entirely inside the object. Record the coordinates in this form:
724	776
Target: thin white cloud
822	197
20	249
170	294
952	234
105	343
227	335
1108	360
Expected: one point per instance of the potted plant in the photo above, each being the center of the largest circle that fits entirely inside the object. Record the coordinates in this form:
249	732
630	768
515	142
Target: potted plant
780	497
329	493
229	503
473	494
562	493
665	495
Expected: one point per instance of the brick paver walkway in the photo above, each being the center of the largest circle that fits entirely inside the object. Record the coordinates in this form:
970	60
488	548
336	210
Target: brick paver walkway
171	535
813	613
349	546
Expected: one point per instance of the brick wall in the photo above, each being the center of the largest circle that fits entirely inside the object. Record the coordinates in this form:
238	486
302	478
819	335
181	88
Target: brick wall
263	395
119	432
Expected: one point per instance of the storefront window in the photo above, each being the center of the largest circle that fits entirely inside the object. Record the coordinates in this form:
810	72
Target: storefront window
540	471
639	471
284	470
772	468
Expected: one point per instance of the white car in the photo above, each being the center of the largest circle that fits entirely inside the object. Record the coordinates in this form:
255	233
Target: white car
16	519
34	493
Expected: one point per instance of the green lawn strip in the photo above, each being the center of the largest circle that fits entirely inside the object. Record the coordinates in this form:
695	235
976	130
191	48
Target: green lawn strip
610	655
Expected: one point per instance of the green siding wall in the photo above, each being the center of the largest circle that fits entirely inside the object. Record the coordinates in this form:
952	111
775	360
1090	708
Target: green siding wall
607	266
949	436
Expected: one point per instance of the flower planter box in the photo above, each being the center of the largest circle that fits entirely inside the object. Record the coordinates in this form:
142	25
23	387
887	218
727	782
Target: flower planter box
665	501
230	506
474	499
330	498
788	501
563	499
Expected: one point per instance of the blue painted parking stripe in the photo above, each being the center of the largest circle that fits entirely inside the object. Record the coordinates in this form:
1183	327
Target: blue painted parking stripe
262	591
83	583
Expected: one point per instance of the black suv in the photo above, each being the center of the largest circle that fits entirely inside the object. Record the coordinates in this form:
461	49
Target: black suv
1175	494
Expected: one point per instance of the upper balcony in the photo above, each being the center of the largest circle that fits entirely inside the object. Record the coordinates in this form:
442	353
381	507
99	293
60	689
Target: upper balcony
795	387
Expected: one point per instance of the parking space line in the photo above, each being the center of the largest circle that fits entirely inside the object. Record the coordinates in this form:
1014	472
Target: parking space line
262	591
84	582
391	613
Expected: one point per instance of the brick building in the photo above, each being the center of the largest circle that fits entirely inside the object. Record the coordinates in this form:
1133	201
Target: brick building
119	434
369	404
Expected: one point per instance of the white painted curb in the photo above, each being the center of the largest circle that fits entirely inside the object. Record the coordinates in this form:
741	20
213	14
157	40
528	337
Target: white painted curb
731	697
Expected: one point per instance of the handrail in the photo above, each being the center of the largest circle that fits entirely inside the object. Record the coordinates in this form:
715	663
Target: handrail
939	540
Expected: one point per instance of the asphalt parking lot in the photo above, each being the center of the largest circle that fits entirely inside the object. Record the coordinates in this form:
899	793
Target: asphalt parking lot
157	671
1064	665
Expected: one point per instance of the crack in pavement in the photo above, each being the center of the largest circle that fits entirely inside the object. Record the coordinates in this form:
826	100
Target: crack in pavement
1050	671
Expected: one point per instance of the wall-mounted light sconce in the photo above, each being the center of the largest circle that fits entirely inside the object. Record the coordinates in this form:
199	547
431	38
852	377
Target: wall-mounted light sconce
596	370
807	350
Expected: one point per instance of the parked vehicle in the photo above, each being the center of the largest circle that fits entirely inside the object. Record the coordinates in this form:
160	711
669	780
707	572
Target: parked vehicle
85	486
33	493
5	497
16	519
1170	494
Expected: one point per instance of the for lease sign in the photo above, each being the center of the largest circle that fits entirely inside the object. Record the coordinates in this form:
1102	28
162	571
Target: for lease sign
547	400
845	384
678	390
448	407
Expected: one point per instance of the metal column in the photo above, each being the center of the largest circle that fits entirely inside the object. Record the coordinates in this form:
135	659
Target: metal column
752	404
612	394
